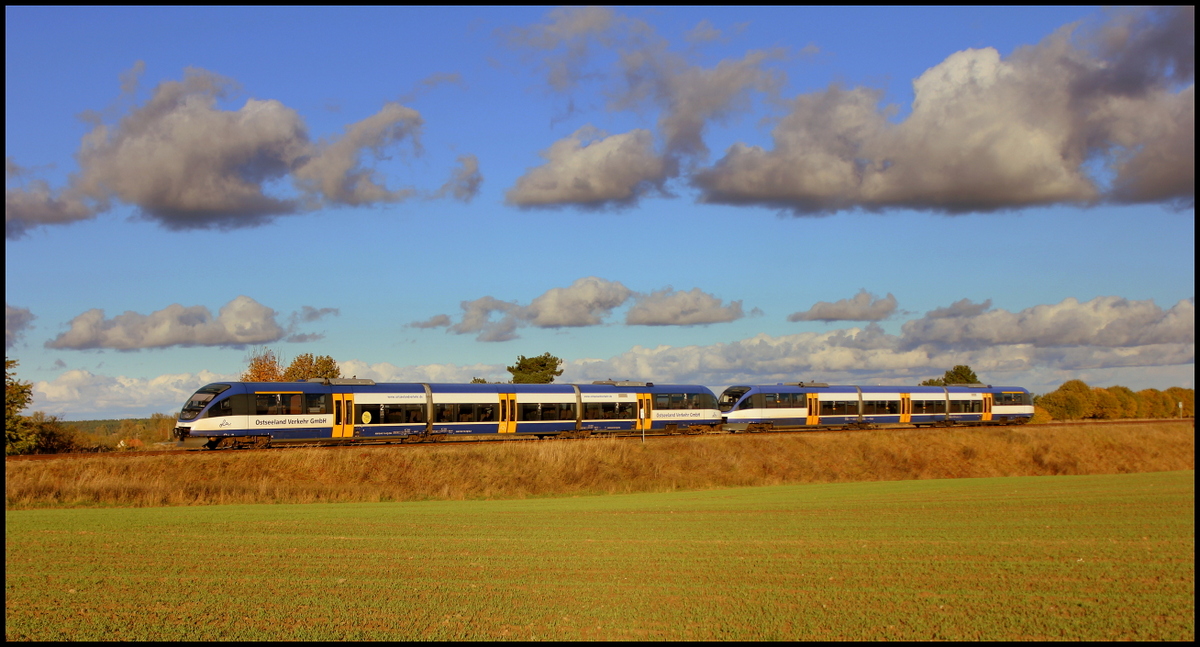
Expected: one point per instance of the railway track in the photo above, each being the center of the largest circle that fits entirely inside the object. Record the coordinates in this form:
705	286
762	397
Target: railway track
654	437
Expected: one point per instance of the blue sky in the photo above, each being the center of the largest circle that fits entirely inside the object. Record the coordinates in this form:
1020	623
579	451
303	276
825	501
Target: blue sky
702	195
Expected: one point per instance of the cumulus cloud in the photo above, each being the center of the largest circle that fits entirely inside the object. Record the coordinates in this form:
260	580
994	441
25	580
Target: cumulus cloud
16	322
961	308
240	322
477	318
1103	322
668	307
188	164
81	394
586	302
987	133
621	169
1041	357
863	306
591	170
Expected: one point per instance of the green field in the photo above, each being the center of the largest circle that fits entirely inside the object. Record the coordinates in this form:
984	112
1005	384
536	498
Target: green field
1023	558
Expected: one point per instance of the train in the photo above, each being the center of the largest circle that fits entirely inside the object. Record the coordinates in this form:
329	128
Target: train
258	414
350	410
802	405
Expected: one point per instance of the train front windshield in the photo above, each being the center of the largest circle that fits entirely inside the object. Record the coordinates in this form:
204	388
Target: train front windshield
730	397
197	402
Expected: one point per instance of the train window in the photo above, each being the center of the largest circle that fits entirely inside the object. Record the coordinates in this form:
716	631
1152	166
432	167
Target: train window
748	403
486	412
278	404
704	400
966	406
878	407
839	407
601	410
530	411
929	406
466	413
730	396
662	400
625	410
679	401
316	403
443	412
201	399
1005	399
770	400
221	408
394	414
368	414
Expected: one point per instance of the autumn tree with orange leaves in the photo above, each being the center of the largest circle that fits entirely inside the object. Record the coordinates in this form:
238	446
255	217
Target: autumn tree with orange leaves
266	365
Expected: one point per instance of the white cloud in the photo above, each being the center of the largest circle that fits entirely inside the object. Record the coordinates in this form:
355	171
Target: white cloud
188	164
591	170
79	394
585	303
16	322
1104	322
863	306
242	321
987	133
668	307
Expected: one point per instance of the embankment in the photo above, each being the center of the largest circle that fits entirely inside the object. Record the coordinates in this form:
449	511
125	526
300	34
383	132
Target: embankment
566	468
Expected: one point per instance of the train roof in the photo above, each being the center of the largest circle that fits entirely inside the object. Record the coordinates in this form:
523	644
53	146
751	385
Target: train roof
370	386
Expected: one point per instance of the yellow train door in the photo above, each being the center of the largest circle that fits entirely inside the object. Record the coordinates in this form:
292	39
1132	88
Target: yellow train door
987	406
905	407
814	410
508	414
645	412
343	415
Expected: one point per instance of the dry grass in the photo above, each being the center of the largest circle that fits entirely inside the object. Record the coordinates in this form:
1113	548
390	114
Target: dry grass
557	468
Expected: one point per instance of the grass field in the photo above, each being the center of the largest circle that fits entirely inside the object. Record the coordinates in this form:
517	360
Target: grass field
1021	558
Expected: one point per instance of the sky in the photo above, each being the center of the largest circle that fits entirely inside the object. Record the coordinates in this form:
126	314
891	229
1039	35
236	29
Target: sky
716	195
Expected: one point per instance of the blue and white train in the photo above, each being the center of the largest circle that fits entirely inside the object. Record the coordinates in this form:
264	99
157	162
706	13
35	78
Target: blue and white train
816	405
258	414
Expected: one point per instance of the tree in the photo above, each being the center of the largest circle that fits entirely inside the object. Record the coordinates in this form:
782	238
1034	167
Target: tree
961	374
1074	400
1187	397
262	366
1153	403
51	435
306	366
535	370
1127	398
1108	406
19	435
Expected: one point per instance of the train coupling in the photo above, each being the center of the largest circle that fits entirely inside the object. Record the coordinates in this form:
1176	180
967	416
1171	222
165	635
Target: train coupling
182	433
